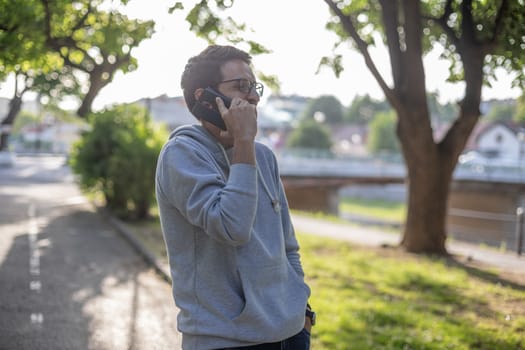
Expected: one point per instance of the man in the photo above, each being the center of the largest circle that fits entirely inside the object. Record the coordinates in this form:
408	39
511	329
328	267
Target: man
237	275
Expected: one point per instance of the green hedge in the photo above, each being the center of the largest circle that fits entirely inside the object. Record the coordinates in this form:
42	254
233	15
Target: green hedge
117	156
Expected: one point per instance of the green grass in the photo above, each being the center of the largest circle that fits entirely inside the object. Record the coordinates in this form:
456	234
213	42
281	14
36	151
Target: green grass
377	209
385	299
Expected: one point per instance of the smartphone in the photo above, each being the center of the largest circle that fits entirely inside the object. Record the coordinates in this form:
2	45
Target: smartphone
206	108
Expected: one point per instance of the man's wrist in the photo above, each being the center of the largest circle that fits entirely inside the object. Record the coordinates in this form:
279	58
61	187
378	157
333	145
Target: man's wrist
310	314
244	151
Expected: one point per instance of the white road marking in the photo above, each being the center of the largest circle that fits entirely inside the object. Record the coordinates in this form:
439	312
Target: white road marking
36	318
35	286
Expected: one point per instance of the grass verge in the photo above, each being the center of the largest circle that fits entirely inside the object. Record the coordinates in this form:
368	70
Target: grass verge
374	209
387	299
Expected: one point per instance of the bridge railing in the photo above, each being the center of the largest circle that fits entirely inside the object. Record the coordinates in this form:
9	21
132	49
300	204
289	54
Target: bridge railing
304	162
308	162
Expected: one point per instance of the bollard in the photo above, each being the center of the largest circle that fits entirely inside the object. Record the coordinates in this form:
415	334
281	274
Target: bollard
519	230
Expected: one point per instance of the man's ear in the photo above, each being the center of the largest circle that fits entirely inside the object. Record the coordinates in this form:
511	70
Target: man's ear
197	94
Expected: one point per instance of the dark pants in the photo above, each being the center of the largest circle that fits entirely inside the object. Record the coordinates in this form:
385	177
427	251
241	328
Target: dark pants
300	341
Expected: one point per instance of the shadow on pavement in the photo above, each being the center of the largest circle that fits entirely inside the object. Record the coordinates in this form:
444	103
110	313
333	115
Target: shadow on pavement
74	285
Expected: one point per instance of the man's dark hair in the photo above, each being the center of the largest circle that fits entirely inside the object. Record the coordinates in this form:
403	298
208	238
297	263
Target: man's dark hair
204	70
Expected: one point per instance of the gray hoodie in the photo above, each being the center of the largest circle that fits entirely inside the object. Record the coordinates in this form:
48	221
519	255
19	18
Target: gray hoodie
234	261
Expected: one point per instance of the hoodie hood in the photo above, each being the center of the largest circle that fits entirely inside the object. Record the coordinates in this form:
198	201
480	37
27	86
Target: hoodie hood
205	141
195	131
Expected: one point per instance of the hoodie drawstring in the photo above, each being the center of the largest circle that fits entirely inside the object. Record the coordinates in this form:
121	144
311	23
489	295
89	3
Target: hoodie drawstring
275	200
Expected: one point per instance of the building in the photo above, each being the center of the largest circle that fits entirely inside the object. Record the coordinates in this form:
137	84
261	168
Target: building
502	140
171	111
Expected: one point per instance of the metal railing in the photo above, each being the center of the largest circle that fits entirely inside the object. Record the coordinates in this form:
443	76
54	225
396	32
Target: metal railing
517	220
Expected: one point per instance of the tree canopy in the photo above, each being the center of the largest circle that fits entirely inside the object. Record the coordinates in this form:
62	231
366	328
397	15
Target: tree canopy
52	43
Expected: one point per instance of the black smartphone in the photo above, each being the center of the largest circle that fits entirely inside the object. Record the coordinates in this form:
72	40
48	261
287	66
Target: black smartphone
206	108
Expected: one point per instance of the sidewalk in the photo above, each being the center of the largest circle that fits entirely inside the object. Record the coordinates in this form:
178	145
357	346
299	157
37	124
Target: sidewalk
368	236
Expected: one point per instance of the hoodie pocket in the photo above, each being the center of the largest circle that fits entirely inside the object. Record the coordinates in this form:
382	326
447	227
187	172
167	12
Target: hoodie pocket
275	300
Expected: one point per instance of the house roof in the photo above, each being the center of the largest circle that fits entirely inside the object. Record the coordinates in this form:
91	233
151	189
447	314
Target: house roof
511	126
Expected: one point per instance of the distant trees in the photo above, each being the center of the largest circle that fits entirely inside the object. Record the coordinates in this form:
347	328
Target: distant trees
363	109
519	117
441	113
382	133
326	108
310	134
501	112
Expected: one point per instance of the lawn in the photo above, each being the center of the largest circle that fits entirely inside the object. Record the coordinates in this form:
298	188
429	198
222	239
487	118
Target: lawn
374	209
386	299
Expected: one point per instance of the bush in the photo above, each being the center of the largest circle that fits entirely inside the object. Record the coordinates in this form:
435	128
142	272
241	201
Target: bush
118	157
310	134
382	135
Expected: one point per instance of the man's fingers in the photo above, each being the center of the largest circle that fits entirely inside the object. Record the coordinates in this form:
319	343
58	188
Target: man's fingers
221	106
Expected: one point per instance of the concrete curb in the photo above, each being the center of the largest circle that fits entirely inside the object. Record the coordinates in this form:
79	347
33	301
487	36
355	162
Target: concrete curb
125	232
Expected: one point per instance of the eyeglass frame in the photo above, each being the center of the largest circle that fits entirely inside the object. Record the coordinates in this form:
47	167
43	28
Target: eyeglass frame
252	85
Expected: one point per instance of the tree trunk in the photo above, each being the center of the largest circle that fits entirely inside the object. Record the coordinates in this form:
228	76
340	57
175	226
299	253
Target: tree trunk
429	173
14	108
425	227
98	79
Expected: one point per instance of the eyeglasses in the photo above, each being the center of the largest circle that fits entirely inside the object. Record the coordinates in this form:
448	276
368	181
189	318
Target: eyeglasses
245	86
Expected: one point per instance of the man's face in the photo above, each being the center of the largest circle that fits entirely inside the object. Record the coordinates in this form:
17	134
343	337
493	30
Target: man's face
231	70
237	69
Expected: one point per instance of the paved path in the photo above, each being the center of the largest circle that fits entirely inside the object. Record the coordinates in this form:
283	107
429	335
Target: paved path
68	280
368	236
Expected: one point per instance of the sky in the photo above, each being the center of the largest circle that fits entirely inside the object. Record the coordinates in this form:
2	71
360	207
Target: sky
295	32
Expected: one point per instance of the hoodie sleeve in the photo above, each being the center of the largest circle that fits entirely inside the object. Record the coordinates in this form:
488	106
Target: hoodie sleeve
291	244
188	178
290	241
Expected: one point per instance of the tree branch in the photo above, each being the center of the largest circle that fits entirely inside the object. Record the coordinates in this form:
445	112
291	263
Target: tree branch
390	19
47	20
442	22
498	25
83	19
467	22
70	63
448	11
7	29
362	46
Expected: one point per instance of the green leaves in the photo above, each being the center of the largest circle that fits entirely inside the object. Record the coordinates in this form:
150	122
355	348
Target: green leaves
335	63
177	6
44	36
209	21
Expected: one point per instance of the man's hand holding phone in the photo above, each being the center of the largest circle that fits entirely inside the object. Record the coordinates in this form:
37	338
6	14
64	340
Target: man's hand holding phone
240	119
235	119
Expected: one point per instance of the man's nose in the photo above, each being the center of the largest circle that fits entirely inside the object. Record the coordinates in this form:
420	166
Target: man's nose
253	97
